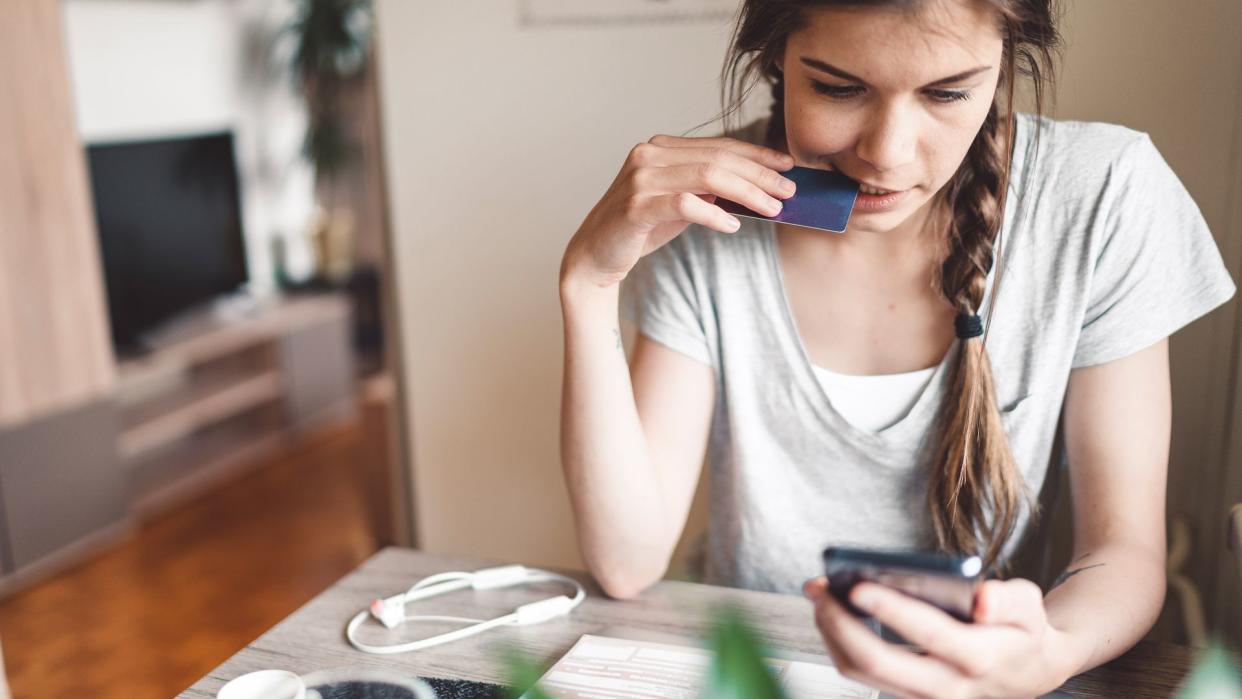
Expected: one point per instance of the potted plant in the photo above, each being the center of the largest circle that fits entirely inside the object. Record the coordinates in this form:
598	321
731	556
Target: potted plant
330	52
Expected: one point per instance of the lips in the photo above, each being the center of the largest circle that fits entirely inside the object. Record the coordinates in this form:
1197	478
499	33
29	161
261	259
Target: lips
864	187
871	203
867	188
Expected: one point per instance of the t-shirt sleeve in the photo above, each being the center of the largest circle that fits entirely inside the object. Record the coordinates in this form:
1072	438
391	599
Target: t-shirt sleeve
661	296
1156	265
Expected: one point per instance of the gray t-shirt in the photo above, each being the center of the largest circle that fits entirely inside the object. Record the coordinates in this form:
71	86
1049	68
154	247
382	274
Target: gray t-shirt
1107	254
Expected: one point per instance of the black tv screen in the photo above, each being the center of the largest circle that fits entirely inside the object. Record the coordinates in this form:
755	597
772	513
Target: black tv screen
169	218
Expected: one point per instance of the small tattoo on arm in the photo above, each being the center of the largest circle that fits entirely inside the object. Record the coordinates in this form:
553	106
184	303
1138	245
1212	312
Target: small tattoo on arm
618	334
1069	574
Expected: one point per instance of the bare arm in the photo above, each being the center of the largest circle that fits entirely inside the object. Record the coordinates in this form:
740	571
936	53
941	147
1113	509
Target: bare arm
1117	424
631	448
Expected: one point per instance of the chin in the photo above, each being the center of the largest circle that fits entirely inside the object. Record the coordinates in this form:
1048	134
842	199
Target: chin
877	222
885	221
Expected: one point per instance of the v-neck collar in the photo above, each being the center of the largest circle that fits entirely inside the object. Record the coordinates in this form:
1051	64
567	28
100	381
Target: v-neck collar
920	414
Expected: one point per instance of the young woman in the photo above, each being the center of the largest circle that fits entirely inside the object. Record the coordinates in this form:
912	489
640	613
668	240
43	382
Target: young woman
899	386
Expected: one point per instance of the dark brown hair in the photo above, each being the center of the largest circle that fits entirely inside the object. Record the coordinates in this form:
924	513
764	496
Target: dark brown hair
975	488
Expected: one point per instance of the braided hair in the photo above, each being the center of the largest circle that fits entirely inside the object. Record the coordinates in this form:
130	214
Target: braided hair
975	494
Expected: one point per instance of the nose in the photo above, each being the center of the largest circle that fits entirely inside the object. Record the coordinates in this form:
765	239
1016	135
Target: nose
888	140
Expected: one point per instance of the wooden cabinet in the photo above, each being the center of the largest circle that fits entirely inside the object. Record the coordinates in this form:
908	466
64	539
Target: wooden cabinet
60	488
215	395
217	392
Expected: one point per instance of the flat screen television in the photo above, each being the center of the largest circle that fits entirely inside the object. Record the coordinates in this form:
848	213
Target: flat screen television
169	217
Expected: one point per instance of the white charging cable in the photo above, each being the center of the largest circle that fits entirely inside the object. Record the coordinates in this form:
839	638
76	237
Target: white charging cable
391	611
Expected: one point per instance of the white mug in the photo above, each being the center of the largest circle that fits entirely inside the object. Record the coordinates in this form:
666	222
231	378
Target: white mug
264	684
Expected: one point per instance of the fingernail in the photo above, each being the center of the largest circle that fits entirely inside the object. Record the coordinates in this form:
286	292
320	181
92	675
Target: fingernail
774	206
734	224
787	185
863	599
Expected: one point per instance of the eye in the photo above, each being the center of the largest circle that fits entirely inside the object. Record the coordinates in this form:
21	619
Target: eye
949	96
837	92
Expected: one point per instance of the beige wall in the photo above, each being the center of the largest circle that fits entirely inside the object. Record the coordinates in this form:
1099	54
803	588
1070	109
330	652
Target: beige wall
1174	70
501	138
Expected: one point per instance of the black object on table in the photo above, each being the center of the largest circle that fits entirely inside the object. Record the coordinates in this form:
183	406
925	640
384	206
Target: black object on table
464	689
444	688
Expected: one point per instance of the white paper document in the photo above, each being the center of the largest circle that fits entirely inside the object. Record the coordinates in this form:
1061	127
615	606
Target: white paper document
598	667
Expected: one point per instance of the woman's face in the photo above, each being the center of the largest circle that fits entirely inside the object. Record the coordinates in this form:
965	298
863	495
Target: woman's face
891	99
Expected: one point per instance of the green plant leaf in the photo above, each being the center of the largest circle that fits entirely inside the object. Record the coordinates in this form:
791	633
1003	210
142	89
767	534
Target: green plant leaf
327	146
332	38
1213	677
738	667
523	676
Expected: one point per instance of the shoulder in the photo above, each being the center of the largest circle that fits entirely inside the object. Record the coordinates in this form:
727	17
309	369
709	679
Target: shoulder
1082	156
708	250
1097	136
1087	181
696	273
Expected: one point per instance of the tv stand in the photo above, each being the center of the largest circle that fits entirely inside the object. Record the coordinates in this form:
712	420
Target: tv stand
219	390
240	306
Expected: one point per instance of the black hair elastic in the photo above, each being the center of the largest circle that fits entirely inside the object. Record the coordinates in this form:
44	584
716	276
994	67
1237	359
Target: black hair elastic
968	325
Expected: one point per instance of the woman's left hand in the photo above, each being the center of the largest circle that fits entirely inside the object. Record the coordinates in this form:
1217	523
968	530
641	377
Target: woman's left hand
1010	651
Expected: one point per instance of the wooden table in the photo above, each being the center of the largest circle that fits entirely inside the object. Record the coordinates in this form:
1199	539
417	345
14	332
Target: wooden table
313	637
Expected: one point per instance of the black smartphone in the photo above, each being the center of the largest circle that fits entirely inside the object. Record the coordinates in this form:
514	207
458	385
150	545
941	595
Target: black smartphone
943	581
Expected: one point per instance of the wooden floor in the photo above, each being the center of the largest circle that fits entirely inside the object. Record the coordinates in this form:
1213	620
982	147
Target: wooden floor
190	589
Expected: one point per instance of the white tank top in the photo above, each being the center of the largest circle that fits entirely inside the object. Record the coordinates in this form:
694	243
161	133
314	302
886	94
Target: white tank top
874	402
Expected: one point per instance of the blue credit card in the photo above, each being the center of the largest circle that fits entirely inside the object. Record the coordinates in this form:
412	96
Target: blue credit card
824	199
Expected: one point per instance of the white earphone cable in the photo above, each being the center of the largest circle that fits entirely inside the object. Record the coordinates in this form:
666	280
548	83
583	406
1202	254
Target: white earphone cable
387	610
464	632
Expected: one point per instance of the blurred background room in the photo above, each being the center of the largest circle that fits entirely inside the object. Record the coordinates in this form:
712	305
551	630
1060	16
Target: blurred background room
278	289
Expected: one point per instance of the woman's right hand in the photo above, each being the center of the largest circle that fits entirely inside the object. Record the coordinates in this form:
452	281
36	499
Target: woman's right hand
665	185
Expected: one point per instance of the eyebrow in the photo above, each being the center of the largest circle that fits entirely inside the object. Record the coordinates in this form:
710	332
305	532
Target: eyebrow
833	70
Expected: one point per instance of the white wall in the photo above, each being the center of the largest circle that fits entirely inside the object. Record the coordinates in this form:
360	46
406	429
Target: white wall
499	139
143	69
